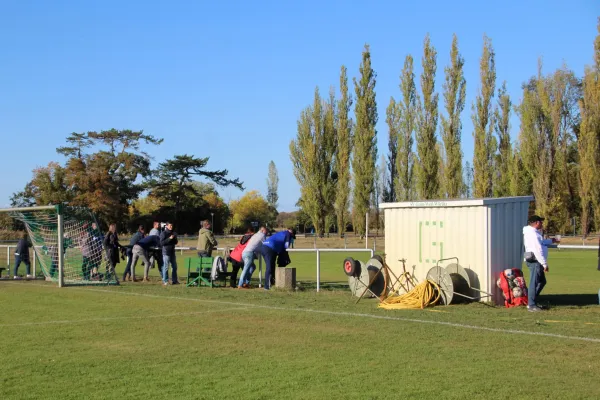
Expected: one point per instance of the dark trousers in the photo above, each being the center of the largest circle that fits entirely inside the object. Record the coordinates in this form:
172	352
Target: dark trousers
269	255
129	254
235	268
537	281
25	260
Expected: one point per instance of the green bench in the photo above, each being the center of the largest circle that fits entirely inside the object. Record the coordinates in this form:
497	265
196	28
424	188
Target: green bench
199	271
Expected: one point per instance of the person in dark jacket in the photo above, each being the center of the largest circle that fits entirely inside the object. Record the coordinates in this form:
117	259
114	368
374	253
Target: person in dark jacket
111	247
139	235
22	256
168	241
271	248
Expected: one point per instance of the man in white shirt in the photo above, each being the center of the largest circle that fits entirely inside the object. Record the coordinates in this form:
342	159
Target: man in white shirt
536	257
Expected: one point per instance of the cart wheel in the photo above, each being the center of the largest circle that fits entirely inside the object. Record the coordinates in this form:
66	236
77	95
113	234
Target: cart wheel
378	258
351	267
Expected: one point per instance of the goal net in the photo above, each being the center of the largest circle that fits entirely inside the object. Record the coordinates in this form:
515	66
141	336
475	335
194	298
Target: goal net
81	261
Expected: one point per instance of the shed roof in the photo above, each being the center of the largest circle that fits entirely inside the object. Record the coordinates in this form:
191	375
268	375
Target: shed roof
441	203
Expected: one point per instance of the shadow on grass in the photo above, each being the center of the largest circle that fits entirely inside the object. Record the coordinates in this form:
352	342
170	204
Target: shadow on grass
329	285
570	299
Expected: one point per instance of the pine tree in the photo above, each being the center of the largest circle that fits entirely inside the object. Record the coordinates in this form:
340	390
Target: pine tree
454	100
272	185
343	153
589	143
365	140
427	168
406	108
504	157
483	123
391	177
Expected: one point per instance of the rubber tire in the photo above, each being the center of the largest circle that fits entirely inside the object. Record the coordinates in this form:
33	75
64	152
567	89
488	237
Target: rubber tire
352	267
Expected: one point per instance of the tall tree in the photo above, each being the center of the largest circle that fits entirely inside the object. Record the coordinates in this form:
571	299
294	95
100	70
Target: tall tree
427	168
407	110
454	100
504	157
483	123
589	143
343	153
388	191
365	140
272	185
174	182
468	187
251	207
312	154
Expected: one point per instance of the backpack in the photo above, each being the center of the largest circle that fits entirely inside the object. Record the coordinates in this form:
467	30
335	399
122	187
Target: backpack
511	286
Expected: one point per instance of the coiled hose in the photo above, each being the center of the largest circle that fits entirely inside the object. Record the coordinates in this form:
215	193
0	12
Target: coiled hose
423	295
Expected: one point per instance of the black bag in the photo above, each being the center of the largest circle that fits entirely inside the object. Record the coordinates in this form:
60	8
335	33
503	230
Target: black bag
530	257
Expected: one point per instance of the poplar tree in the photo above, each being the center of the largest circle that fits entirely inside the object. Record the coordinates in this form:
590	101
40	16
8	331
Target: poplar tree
388	191
272	185
312	154
454	100
504	157
588	144
407	109
427	168
343	153
365	140
483	123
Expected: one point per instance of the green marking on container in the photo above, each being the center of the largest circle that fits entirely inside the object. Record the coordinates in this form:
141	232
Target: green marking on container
427	261
441	250
427	223
434	243
441	224
433	223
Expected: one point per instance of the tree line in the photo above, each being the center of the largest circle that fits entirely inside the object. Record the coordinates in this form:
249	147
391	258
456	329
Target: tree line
556	156
108	172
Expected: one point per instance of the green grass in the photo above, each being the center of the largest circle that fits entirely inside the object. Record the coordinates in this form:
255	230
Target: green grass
146	341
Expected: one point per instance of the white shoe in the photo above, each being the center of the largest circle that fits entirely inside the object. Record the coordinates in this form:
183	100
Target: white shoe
17	278
30	277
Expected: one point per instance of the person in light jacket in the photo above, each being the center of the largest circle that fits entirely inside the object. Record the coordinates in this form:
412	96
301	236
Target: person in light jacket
536	258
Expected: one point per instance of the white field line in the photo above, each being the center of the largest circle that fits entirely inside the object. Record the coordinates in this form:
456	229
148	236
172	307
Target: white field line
78	321
350	314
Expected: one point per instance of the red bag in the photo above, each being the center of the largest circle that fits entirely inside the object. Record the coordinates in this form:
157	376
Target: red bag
509	299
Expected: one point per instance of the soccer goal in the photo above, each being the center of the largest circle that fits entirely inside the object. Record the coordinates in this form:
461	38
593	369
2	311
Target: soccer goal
67	242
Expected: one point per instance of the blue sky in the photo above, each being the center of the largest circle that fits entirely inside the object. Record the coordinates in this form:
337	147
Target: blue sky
228	79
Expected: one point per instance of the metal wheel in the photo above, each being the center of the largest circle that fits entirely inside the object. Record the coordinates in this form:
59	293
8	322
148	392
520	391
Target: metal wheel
440	276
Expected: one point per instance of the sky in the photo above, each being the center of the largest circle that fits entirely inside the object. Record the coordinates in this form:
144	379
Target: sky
228	79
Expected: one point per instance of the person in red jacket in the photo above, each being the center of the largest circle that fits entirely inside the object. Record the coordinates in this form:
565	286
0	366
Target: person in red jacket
235	257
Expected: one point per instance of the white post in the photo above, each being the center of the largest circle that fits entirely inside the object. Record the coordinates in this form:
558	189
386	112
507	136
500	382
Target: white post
367	230
318	270
34	264
61	254
8	259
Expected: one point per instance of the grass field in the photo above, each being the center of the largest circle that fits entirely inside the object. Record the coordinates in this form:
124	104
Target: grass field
147	341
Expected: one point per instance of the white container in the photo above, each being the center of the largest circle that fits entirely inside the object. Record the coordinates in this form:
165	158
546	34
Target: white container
484	234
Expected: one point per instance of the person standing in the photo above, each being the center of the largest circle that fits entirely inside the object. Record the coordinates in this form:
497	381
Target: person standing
237	262
156	254
139	235
251	251
206	240
111	247
536	258
140	251
22	256
271	248
168	241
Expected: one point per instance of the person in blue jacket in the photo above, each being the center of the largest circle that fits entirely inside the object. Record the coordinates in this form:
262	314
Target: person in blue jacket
22	256
271	248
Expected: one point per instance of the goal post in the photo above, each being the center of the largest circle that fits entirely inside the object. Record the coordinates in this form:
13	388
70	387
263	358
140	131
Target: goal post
67	242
